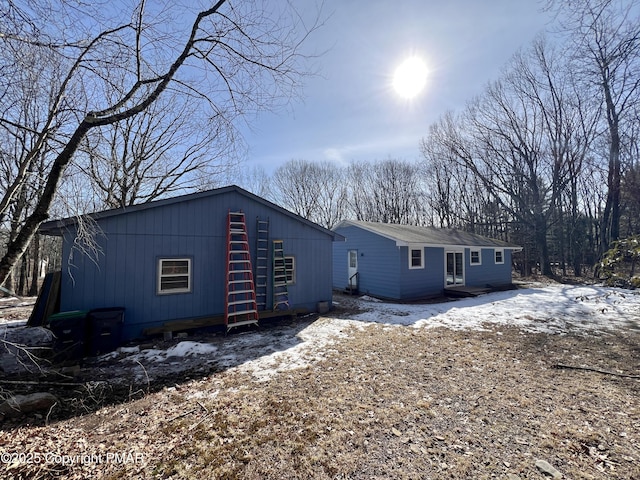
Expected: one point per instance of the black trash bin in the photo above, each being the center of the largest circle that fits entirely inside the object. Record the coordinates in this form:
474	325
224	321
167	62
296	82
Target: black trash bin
70	330
104	327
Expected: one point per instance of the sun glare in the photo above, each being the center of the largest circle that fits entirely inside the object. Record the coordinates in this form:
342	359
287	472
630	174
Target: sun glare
410	77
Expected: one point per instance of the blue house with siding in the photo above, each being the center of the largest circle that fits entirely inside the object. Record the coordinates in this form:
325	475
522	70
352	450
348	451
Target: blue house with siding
404	262
166	260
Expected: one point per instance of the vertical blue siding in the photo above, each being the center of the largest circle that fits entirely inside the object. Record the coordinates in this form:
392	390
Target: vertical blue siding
126	273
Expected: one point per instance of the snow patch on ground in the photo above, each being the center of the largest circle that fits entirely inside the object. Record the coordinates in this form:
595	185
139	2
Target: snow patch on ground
548	309
181	350
551	309
274	349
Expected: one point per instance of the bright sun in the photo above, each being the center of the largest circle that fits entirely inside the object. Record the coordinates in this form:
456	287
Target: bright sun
410	77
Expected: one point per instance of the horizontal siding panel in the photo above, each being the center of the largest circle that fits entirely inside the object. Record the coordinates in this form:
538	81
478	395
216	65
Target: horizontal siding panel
422	282
378	262
488	273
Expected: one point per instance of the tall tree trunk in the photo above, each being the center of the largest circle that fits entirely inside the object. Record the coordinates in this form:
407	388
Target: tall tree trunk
543	247
575	236
17	246
611	219
22	278
35	273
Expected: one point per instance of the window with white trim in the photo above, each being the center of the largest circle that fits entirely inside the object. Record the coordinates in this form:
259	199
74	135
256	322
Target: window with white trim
499	255
174	275
475	257
416	258
290	265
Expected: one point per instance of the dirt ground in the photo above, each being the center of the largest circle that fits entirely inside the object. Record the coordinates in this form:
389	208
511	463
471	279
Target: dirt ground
16	308
378	402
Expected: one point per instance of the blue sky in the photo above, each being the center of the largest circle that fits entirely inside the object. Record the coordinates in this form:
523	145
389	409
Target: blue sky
350	111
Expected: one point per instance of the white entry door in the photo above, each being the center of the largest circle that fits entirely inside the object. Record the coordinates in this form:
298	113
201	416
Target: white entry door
454	265
353	269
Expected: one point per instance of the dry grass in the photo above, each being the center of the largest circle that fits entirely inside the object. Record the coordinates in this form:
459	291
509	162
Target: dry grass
384	402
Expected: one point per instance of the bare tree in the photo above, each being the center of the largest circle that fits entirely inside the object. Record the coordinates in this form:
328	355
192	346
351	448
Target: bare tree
605	43
388	191
456	196
314	190
296	187
253	178
522	139
233	56
22	160
332	196
161	151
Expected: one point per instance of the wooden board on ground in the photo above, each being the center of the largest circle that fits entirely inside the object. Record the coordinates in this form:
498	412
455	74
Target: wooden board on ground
48	301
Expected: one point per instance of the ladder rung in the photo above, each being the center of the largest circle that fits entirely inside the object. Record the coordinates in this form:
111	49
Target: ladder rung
243	312
239	281
243	322
240	302
240	292
239	271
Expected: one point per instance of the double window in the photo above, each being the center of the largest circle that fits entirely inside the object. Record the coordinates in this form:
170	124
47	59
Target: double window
174	275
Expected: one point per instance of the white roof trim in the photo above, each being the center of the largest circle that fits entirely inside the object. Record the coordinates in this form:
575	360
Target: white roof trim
437	245
401	243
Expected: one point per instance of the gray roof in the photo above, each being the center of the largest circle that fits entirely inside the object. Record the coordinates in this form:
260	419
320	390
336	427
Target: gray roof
411	235
55	227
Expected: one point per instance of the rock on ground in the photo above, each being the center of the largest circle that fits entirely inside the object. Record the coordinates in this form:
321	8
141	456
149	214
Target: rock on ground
18	405
548	469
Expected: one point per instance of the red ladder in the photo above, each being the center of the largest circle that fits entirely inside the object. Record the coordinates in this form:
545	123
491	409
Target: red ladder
240	293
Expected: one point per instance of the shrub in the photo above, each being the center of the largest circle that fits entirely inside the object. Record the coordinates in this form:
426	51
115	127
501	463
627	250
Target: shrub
617	267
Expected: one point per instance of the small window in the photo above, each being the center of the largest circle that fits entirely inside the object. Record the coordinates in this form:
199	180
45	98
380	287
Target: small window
499	256
290	265
416	259
174	275
353	259
475	257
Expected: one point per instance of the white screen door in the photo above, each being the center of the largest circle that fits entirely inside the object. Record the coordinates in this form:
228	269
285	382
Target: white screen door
353	268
